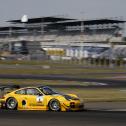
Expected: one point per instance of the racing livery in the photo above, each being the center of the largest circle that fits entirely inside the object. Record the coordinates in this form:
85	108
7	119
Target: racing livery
40	98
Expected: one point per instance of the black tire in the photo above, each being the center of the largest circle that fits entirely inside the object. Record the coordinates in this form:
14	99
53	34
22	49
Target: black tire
11	104
54	105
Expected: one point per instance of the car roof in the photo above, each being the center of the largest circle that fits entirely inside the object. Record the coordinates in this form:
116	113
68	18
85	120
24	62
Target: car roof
32	87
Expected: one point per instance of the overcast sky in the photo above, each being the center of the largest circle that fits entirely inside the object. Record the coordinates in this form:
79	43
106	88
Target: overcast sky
14	9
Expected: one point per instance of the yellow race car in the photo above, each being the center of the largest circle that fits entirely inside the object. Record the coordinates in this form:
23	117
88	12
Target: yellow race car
40	98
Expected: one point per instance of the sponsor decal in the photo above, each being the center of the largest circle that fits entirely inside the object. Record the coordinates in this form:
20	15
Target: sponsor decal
24	104
38	104
39	99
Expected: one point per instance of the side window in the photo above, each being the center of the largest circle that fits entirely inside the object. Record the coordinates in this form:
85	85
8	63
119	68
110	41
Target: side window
32	91
22	92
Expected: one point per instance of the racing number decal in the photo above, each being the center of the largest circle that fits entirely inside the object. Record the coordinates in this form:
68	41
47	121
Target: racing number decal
39	99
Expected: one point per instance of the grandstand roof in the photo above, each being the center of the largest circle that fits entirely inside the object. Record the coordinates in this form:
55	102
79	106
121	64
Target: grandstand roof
11	28
88	22
68	21
42	19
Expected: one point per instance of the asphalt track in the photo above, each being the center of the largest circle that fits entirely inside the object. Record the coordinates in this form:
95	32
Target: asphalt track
88	117
38	118
109	82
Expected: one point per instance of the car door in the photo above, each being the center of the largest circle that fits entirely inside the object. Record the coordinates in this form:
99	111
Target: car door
34	98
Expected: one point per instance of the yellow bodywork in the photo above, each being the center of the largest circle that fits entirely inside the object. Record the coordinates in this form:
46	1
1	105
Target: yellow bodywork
35	102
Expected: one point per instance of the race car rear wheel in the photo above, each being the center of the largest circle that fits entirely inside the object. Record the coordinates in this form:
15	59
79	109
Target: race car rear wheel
54	105
11	104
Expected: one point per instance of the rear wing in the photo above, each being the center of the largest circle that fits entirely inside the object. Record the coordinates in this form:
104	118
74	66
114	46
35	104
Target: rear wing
7	89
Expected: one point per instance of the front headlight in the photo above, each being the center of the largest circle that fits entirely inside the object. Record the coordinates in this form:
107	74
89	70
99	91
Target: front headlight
67	97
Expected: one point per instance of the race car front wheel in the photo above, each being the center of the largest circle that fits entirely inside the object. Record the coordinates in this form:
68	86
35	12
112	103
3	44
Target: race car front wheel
54	105
11	104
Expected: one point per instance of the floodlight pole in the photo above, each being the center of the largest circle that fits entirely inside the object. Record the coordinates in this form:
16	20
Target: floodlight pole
10	43
42	26
82	32
82	23
82	26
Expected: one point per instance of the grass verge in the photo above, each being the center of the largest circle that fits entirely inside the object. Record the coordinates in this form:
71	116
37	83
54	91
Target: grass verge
72	72
99	95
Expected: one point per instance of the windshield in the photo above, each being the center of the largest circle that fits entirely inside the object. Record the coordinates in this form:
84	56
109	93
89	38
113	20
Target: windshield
48	90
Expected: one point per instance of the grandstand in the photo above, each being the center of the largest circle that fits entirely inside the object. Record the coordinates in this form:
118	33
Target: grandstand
64	37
